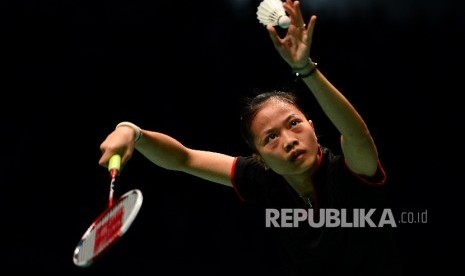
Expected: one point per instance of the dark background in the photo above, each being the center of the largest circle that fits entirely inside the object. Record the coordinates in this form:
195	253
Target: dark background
73	69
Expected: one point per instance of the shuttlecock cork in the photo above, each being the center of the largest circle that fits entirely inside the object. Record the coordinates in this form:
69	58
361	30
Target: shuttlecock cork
271	12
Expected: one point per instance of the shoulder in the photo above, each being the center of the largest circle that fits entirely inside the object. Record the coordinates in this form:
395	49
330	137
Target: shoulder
335	163
247	169
252	182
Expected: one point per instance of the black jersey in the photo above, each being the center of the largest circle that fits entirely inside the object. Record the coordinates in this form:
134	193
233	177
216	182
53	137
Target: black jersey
308	250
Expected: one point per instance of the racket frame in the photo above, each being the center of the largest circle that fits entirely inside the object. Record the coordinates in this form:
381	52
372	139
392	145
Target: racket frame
85	261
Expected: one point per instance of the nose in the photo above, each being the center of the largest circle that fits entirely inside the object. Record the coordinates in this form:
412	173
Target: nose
289	142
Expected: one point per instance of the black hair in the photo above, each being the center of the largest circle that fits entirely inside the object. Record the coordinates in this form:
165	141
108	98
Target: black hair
252	105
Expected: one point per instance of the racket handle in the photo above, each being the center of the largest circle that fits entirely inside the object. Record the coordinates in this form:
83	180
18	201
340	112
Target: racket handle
114	165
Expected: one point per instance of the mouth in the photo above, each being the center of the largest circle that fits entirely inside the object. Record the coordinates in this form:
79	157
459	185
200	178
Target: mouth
297	154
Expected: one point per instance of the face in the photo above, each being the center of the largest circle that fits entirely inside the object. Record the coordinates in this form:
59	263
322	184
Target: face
285	140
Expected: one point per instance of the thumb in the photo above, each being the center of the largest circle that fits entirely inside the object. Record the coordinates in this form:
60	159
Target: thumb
274	36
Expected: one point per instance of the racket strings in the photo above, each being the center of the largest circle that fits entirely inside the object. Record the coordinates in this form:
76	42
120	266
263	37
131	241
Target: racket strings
111	225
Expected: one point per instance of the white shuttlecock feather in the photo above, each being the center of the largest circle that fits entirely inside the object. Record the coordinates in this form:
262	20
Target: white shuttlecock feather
271	12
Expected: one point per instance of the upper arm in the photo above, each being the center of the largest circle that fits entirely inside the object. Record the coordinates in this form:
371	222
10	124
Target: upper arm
361	155
212	166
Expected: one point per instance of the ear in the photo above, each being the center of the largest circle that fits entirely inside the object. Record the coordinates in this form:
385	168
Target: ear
260	160
311	123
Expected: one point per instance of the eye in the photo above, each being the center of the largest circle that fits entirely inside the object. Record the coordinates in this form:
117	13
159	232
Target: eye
271	138
295	123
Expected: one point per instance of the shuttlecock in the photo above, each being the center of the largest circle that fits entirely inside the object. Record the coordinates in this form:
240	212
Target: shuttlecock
271	12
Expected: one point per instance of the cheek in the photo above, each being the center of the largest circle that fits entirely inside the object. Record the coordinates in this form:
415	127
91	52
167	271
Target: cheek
312	137
310	134
312	143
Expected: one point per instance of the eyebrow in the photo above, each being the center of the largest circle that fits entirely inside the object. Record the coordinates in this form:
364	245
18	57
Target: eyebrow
270	130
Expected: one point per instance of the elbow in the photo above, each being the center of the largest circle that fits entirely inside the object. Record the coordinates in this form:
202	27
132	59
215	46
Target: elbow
361	155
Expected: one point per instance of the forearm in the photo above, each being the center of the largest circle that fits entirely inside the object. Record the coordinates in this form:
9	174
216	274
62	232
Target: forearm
167	152
356	141
336	106
162	150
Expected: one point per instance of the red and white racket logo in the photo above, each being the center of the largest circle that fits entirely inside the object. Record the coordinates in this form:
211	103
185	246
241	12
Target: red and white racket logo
108	230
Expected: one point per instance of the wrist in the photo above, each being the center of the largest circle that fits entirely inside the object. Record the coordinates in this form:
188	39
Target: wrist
306	70
137	130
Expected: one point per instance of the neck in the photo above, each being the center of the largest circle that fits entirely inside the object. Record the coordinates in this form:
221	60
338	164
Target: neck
304	187
303	183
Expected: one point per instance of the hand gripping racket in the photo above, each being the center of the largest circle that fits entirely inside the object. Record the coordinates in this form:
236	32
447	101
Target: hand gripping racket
111	224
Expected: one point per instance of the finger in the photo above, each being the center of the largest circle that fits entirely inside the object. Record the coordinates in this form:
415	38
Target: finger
311	27
288	3
274	36
298	11
126	157
289	7
105	158
293	9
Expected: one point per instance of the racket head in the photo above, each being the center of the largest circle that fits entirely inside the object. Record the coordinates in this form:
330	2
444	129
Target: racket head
109	227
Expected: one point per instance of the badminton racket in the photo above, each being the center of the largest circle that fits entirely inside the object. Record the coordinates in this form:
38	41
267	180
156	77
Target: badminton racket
111	224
